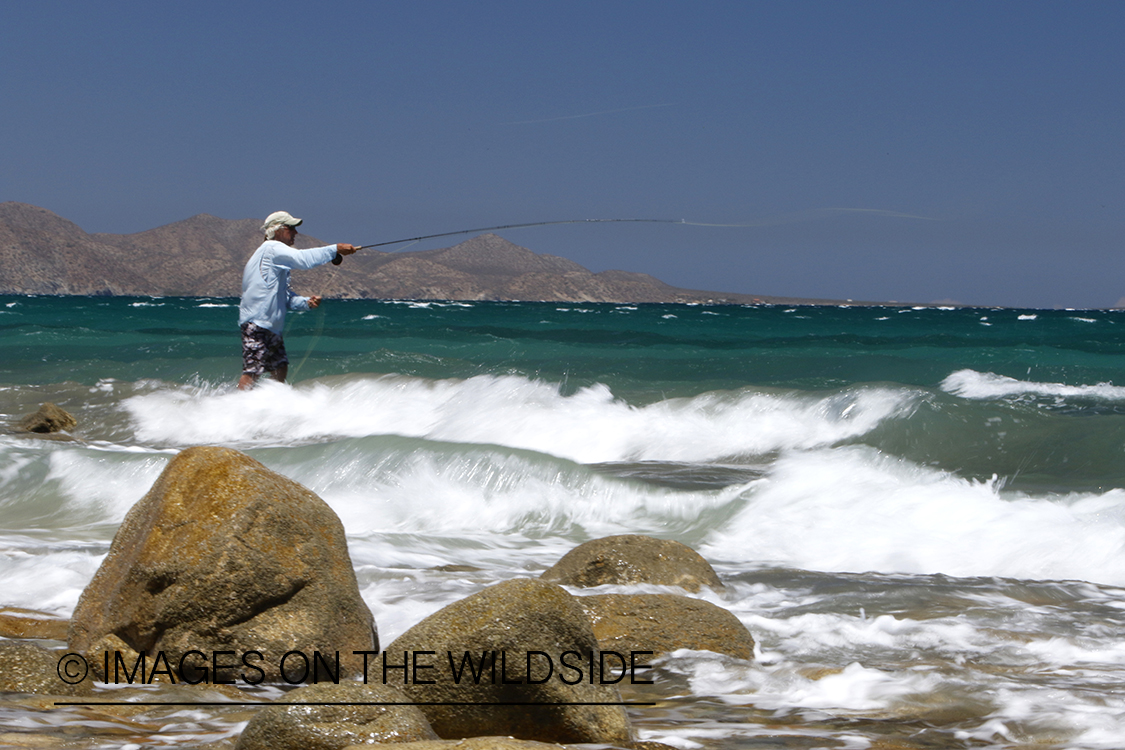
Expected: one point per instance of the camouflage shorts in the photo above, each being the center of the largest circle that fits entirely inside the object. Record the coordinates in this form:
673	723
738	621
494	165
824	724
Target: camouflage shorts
262	350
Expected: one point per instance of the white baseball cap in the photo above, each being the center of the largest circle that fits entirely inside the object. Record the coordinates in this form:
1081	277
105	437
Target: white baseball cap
280	218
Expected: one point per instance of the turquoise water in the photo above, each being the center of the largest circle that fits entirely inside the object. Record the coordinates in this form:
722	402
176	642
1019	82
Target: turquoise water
641	349
919	512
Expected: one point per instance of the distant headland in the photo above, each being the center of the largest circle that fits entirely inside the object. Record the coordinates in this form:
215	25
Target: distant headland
43	253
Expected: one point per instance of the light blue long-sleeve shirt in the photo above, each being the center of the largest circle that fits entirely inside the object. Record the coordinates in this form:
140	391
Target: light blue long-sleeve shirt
265	282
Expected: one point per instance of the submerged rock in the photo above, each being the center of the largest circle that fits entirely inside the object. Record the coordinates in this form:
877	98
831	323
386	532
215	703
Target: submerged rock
227	558
290	724
476	655
48	419
665	622
633	558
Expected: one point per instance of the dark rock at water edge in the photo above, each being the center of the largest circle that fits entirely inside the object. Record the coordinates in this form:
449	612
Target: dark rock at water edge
291	724
630	559
48	419
509	620
223	554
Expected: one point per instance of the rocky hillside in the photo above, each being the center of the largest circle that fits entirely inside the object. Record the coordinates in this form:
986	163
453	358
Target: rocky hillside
42	253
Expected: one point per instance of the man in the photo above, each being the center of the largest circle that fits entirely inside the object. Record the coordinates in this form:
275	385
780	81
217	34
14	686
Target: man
266	295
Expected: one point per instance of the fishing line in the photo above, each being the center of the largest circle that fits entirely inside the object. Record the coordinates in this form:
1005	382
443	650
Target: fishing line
316	334
319	322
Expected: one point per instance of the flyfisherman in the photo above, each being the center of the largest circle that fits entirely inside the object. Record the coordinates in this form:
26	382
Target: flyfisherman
266	295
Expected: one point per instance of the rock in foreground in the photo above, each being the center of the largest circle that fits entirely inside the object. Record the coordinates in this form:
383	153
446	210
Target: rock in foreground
633	558
508	743
510	621
292	725
224	555
30	668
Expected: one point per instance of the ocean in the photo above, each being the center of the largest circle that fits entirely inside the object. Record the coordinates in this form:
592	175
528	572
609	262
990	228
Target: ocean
919	513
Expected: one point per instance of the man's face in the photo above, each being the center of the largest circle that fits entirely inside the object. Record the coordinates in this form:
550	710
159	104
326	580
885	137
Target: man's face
286	235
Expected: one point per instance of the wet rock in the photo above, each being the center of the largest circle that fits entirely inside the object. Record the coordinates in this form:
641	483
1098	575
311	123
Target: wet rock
481	743
500	628
30	668
665	622
633	558
227	558
16	622
292	725
510	743
48	419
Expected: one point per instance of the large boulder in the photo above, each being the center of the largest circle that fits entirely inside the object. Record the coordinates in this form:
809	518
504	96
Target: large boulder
353	719
499	629
665	622
633	558
224	555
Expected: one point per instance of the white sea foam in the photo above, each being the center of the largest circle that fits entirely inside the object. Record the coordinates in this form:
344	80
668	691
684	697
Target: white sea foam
103	487
588	426
487	492
854	509
47	578
986	385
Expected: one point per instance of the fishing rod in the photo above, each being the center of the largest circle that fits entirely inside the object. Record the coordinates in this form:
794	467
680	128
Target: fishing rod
339	259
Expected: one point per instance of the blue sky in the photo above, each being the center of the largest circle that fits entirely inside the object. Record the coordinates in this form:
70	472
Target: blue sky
912	151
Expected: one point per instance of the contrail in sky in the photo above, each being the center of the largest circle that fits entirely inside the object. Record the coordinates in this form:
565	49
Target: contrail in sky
588	114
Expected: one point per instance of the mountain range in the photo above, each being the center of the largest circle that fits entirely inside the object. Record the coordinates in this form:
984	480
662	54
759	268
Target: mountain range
43	253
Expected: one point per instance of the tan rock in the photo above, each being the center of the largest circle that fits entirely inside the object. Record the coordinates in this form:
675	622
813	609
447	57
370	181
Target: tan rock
509	622
481	743
292	724
224	555
633	558
665	622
